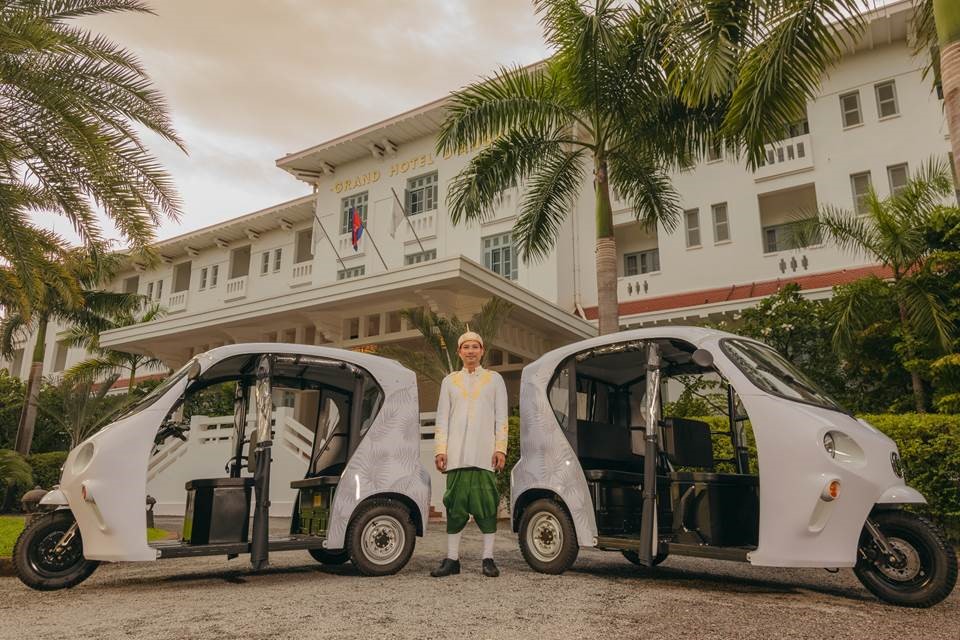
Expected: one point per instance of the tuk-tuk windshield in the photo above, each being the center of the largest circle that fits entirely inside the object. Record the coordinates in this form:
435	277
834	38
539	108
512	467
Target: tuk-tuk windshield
775	374
159	390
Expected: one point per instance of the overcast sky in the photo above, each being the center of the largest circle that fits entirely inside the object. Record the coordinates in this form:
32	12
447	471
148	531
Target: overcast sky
249	81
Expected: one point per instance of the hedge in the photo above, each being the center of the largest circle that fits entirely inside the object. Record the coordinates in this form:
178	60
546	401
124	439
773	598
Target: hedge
46	473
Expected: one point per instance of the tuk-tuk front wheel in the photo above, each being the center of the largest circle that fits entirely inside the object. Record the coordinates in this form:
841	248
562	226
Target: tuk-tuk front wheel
922	568
548	539
381	537
48	555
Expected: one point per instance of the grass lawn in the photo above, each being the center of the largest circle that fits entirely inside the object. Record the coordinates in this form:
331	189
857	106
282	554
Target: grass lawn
11	526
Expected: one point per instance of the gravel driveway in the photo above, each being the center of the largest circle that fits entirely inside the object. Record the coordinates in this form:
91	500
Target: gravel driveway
603	596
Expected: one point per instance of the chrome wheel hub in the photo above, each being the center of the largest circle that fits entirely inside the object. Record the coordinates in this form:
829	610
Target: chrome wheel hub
383	540
545	536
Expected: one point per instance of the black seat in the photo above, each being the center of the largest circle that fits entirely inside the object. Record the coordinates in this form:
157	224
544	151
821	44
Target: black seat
606	446
316	481
613	475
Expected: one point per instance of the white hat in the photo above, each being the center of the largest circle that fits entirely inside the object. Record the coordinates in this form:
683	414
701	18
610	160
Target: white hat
469	335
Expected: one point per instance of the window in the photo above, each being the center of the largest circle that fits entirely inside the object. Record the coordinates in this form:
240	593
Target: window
721	223
500	256
691	224
303	251
641	262
264	263
798	128
203	278
898	176
131	285
422	194
240	262
790	235
181	277
214	273
277	259
351	272
347	205
150	290
423	256
861	185
850	109
60	356
886	99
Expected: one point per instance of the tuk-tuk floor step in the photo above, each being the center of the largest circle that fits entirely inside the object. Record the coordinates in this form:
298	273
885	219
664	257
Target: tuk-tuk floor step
734	554
179	549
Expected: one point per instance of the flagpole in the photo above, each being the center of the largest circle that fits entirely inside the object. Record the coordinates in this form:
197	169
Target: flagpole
377	249
327	236
404	211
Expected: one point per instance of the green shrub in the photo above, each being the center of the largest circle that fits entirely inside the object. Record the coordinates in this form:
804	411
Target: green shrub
46	473
929	446
513	454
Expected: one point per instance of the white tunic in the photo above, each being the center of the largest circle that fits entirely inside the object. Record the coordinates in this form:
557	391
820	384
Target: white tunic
471	418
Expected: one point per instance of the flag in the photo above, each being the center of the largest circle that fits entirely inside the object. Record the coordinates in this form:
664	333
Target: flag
356	229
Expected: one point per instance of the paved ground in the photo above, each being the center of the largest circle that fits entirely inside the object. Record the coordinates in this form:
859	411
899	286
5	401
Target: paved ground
602	597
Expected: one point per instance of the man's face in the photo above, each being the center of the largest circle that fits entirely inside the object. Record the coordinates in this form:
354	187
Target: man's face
470	352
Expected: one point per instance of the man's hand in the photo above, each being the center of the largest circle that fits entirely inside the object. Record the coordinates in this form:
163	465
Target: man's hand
499	461
441	462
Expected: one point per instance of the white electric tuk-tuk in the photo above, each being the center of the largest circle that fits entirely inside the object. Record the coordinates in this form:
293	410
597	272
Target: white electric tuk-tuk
604	464
364	497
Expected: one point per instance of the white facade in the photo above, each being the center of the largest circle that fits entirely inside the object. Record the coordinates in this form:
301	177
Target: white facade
260	277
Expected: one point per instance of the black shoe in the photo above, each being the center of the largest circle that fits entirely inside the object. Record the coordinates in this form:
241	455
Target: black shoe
447	568
490	568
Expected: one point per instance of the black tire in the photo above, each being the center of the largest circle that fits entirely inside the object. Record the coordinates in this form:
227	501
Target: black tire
330	556
548	539
381	537
634	557
37	567
931	570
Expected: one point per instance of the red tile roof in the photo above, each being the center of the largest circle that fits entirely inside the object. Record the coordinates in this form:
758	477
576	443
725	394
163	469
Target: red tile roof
743	291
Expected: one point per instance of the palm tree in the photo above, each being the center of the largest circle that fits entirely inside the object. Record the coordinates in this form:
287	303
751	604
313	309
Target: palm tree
14	470
636	93
107	361
441	333
80	406
71	102
892	231
86	307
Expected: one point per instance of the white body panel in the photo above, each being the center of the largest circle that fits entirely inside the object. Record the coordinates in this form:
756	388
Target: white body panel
797	528
115	476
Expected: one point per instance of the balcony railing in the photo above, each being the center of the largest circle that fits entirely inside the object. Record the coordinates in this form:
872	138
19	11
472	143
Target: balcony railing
786	156
636	287
425	225
236	289
177	302
302	274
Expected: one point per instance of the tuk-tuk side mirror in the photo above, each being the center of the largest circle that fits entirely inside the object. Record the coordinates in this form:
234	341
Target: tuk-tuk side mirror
702	358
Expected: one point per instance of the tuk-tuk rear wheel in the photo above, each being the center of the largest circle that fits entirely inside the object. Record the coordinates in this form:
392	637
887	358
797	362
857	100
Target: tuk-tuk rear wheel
381	537
548	539
925	570
43	562
330	556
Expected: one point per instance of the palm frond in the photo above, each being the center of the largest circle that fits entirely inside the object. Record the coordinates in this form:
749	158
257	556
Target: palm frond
14	470
647	188
849	232
927	311
551	194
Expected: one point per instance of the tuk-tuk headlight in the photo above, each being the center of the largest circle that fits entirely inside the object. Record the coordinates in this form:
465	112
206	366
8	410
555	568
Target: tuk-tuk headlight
830	444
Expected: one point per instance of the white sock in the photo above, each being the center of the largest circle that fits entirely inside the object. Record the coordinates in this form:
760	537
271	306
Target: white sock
453	546
488	539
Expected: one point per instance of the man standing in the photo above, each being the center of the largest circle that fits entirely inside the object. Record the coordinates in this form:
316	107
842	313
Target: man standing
471	443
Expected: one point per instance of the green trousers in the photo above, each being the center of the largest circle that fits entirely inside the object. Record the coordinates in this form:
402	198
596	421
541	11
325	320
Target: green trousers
471	492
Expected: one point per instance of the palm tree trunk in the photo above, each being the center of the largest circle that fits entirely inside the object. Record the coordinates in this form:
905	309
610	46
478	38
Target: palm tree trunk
133	374
28	415
608	309
947	16
919	395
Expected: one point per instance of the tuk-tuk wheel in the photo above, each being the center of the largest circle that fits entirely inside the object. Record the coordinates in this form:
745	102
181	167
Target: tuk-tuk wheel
48	555
381	537
330	556
548	539
923	570
634	557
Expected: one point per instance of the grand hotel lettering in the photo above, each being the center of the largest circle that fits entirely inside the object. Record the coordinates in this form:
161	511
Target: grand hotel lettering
396	169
